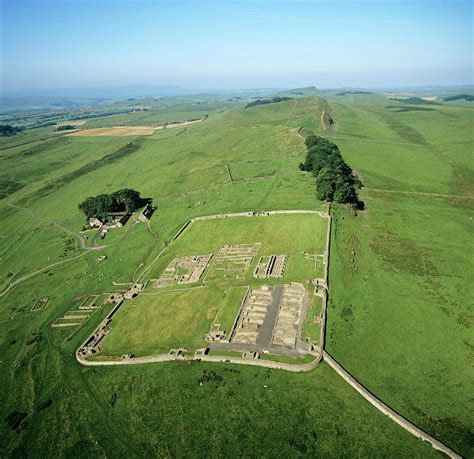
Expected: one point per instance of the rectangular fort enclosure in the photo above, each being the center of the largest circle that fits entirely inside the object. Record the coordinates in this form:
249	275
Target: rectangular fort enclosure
241	283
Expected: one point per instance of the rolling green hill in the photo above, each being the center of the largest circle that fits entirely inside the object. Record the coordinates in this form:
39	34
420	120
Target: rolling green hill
398	317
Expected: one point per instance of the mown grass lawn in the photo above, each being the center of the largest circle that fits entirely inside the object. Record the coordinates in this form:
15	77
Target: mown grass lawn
154	324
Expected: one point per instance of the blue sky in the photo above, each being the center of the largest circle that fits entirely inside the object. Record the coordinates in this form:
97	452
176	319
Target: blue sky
235	44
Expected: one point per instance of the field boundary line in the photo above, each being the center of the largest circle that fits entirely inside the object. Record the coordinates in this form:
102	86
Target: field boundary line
376	141
385	409
419	193
230	173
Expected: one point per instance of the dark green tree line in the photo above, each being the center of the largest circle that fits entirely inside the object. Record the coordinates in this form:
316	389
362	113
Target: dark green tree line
8	130
335	180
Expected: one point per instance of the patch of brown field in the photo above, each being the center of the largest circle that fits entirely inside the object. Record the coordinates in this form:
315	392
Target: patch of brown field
178	124
73	123
116	131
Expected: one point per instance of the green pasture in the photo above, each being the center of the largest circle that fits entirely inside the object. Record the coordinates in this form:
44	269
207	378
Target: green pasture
399	316
311	330
154	324
279	234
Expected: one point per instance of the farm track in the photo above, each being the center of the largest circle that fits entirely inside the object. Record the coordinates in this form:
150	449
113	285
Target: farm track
61	262
152	231
81	240
38	271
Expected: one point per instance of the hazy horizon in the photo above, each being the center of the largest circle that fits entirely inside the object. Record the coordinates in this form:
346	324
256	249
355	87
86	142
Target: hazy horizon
242	44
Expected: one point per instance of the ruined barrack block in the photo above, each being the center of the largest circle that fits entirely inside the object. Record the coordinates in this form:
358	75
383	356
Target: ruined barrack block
271	266
184	270
285	332
252	316
215	335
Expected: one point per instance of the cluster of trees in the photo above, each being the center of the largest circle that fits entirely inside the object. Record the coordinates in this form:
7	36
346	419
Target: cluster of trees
8	130
335	180
273	100
415	101
126	200
468	97
65	127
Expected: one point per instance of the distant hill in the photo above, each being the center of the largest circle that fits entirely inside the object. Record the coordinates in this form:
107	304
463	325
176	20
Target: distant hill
415	101
101	92
78	97
467	97
273	100
301	92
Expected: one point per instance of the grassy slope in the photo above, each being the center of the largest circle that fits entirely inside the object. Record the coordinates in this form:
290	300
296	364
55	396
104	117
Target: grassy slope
162	408
400	317
165	411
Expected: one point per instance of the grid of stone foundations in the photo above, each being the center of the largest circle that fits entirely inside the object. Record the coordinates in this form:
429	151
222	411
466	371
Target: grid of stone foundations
285	332
252	316
271	266
184	270
232	261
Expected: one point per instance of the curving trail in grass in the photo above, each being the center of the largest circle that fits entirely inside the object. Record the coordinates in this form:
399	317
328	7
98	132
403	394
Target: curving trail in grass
61	262
39	271
81	240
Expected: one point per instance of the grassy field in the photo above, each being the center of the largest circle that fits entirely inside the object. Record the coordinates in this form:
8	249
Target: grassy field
279	234
400	313
154	324
399	283
311	329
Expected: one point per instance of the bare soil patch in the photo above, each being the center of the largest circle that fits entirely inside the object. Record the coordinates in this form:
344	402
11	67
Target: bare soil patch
179	124
116	131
